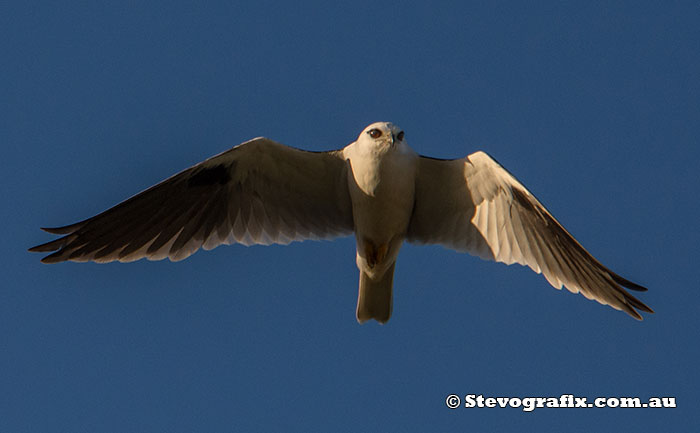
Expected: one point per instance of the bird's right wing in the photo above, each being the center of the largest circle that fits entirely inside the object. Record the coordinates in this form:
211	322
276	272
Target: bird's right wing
259	192
474	205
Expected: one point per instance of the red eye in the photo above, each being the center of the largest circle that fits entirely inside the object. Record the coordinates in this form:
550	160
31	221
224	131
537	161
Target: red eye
400	136
374	133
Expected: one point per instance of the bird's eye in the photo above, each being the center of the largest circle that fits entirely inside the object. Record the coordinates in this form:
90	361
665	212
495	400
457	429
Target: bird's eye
400	136
374	133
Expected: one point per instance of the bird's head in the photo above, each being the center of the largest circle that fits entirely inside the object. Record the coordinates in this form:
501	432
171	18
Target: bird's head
381	135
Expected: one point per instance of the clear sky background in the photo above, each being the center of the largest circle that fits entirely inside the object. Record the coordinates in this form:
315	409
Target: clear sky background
592	105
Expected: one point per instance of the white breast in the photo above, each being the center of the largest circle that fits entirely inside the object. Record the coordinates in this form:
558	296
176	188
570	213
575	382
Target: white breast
382	186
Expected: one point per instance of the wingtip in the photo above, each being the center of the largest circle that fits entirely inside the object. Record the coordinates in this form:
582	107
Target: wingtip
53	258
633	306
60	230
42	248
631	311
628	284
646	309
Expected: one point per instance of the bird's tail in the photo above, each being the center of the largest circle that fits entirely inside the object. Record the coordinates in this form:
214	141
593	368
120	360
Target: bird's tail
375	297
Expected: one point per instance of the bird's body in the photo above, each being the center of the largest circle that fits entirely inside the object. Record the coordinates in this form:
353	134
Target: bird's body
377	187
381	182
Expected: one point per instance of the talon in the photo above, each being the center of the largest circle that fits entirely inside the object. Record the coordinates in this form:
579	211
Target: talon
370	254
375	254
381	252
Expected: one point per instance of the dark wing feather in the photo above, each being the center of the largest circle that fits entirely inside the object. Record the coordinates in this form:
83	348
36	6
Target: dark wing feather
259	192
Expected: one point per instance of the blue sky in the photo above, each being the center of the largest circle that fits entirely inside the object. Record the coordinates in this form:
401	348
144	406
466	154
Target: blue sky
592	105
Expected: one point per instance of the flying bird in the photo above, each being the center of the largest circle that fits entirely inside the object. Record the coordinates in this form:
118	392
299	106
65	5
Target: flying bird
377	187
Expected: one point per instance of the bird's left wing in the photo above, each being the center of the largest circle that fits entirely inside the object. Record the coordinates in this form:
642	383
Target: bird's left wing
475	205
259	192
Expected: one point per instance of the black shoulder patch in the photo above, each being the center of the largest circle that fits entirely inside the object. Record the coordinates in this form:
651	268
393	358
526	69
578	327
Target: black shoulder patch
208	176
521	197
